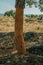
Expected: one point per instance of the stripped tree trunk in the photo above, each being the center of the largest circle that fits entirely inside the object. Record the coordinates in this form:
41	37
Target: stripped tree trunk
19	30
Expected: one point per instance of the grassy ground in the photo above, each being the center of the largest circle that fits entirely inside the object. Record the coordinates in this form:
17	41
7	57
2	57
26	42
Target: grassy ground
33	35
7	46
7	24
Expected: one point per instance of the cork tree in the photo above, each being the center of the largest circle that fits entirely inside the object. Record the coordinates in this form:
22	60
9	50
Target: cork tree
20	5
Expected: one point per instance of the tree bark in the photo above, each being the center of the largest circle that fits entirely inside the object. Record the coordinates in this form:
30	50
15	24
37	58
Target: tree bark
20	43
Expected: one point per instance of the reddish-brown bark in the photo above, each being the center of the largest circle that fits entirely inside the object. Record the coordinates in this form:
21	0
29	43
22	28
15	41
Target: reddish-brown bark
20	44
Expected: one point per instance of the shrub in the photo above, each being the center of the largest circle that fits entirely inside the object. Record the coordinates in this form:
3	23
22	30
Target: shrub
9	13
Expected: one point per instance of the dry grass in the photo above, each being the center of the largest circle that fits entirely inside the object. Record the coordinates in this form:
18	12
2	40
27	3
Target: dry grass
33	27
7	24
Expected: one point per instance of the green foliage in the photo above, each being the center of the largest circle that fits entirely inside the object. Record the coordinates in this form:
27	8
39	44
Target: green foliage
37	3
31	2
40	17
9	13
32	16
41	5
27	15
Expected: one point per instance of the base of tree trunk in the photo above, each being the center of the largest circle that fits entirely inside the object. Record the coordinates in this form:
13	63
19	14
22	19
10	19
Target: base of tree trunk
20	43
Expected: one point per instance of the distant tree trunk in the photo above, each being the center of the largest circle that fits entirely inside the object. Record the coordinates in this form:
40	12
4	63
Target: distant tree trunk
19	30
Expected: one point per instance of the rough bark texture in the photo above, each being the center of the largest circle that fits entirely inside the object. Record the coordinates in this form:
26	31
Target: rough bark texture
20	3
19	31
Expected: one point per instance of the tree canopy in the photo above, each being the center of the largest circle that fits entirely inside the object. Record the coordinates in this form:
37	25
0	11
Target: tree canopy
37	3
10	13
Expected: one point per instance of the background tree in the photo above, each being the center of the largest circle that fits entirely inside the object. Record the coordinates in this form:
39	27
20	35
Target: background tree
40	17
10	13
37	3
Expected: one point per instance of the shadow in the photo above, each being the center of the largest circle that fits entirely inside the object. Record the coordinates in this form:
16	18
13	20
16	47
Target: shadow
7	38
28	36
